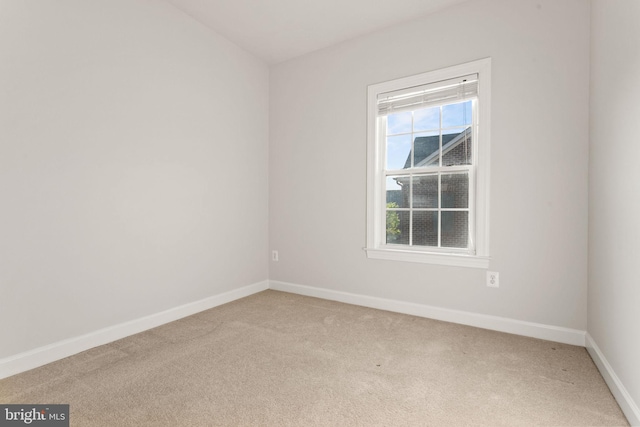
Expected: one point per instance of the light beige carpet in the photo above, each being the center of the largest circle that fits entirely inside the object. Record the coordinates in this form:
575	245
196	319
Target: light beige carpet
277	359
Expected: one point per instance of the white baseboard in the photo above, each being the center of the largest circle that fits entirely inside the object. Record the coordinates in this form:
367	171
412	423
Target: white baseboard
502	324
624	399
50	353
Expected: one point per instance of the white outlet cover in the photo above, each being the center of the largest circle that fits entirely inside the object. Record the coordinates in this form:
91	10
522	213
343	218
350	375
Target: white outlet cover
493	279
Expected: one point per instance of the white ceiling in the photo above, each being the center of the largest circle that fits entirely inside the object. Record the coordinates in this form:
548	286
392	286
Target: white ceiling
277	30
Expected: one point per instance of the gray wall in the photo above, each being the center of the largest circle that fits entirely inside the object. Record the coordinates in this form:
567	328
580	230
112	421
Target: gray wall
133	166
614	189
540	54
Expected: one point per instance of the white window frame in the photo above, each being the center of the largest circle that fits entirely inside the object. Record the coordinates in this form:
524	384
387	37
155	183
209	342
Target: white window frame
377	247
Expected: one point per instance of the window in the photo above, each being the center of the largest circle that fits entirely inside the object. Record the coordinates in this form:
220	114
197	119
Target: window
428	167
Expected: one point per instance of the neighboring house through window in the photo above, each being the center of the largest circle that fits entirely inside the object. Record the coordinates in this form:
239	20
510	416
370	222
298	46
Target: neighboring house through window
428	167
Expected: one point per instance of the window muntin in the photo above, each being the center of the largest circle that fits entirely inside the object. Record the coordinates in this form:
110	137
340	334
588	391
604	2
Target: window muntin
426	195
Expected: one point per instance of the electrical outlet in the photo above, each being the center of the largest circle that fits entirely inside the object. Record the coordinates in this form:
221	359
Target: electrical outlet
493	279
274	256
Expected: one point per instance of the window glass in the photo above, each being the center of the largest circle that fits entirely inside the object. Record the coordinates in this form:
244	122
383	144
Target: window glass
398	150
397	227
455	190
428	196
458	114
455	227
396	192
457	147
426	149
399	123
426	119
425	191
425	228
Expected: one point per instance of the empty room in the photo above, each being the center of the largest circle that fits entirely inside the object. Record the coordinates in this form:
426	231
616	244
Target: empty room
319	212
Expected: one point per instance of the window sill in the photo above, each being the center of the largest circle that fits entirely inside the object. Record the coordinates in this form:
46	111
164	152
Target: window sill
456	260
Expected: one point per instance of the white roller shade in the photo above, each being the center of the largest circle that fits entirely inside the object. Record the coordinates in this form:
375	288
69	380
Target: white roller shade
443	92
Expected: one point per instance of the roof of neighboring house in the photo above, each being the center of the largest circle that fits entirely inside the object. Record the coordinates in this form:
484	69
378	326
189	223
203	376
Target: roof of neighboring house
427	147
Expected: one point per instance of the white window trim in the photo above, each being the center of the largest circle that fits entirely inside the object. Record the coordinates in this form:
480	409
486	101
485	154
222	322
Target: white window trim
376	245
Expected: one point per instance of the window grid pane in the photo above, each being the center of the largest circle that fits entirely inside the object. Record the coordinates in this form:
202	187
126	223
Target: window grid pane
413	141
429	209
454	226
